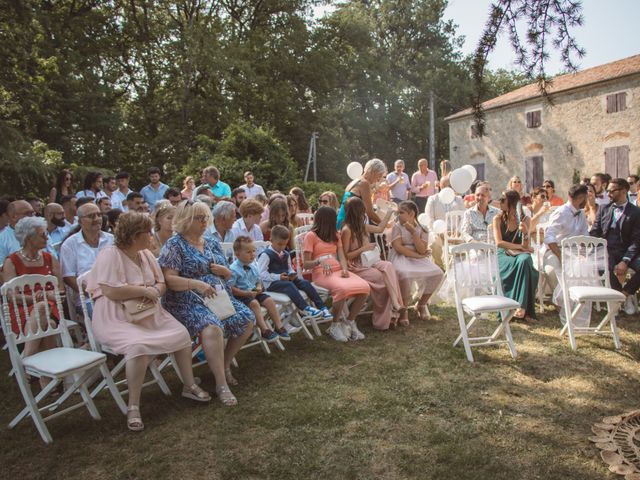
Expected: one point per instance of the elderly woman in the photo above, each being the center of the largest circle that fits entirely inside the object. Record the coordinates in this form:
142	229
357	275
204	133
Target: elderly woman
129	271
374	171
194	267
31	233
224	216
162	226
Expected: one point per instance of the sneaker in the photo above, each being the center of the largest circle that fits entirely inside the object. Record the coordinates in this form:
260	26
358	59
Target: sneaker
335	332
355	333
629	305
283	334
326	313
310	312
346	328
291	329
269	336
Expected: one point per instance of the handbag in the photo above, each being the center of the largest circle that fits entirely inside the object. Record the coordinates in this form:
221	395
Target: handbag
139	308
370	257
220	304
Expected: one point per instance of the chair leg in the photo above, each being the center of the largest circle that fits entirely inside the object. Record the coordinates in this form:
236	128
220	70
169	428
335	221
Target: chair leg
572	334
306	331
315	327
159	379
473	320
32	408
612	310
464	334
506	320
87	400
113	388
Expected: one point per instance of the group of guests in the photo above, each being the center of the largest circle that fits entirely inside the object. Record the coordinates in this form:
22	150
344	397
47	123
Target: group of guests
171	256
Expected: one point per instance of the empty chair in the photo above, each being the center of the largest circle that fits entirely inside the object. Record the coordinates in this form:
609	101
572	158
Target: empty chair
453	234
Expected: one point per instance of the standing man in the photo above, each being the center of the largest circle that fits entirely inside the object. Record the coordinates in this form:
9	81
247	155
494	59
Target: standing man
110	188
155	190
399	183
599	182
123	191
250	188
54	215
423	184
633	189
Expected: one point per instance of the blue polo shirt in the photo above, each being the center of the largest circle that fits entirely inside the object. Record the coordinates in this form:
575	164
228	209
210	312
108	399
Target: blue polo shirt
8	243
221	189
244	279
151	196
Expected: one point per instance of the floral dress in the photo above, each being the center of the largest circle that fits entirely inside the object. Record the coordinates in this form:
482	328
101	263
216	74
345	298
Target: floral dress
188	307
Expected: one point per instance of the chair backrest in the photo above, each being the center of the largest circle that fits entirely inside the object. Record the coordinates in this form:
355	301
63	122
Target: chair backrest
454	224
15	295
585	261
227	250
88	321
381	241
305	219
475	269
303	229
298	241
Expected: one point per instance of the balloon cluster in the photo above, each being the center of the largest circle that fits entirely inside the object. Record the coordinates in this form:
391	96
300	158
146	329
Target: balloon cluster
460	180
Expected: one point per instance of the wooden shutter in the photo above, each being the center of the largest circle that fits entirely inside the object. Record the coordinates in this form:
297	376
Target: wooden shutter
610	159
611	104
474	131
534	119
621	101
534	172
616	161
480	169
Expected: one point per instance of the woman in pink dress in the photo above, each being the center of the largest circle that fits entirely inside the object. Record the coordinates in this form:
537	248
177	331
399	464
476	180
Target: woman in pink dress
324	255
129	271
381	277
409	255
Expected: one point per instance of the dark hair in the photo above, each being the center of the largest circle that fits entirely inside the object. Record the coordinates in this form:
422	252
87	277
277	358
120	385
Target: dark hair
513	201
133	196
604	178
172	192
474	185
621	182
411	206
301	199
32	198
236	191
120	175
101	199
65	199
153	170
280	232
550	182
634	176
576	190
240	241
538	190
90	178
277	206
60	180
84	200
355	212
112	217
324	224
4	205
108	179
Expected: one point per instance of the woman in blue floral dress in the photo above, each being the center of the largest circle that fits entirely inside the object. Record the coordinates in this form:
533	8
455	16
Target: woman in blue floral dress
194	265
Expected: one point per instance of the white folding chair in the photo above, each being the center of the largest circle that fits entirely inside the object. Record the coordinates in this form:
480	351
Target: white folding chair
304	219
543	281
453	233
585	279
115	371
478	291
56	364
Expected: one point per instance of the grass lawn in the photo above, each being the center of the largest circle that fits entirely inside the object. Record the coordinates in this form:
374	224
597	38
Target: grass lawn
400	404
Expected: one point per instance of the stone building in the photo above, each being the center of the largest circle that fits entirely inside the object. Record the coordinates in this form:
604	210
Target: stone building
591	125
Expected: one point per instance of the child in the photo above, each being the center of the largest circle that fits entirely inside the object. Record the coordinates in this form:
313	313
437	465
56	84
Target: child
249	225
323	254
246	287
278	275
409	256
278	215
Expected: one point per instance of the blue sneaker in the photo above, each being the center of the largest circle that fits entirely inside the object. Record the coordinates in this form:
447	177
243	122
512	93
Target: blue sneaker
269	336
326	313
283	334
310	312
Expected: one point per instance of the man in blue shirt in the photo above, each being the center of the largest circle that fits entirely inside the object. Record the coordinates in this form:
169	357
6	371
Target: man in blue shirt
155	190
54	215
8	242
219	189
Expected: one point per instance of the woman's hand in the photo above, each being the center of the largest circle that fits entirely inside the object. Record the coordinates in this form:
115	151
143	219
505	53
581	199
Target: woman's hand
151	294
345	273
203	288
326	268
524	228
410	228
368	247
220	270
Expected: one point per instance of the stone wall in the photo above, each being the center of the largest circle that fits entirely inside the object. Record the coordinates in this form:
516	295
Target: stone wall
575	131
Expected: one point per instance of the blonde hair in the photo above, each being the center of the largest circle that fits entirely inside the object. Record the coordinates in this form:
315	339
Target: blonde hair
185	184
161	212
129	225
251	207
333	199
185	212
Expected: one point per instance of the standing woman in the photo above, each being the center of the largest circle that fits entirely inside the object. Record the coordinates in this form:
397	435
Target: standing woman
324	256
410	257
188	185
381	277
423	184
591	208
519	278
303	205
64	186
374	171
516	184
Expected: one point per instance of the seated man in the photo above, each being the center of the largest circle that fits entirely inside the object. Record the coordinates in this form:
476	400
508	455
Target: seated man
479	218
619	223
566	221
8	243
174	196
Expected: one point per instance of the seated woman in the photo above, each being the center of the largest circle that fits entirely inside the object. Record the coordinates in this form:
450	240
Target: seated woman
292	206
516	184
31	233
539	209
303	205
194	266
323	254
410	257
278	215
519	278
129	271
381	277
162	226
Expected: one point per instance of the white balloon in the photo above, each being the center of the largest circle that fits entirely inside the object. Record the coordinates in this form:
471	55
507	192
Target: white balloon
439	226
460	180
447	195
472	170
422	219
354	170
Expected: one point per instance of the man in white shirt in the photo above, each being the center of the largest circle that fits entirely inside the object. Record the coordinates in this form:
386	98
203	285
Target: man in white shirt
479	218
249	225
250	188
8	242
68	203
399	184
566	221
600	182
110	188
54	215
633	189
123	191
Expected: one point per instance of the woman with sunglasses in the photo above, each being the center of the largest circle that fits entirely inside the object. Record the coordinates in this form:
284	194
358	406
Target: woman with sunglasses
539	210
195	267
554	199
519	277
328	199
64	186
516	184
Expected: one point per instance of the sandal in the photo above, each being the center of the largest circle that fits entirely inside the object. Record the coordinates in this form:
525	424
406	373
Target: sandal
227	398
520	313
134	423
194	392
423	312
231	380
404	321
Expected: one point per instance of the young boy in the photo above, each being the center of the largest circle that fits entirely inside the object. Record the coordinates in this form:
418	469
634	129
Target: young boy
246	287
249	225
277	275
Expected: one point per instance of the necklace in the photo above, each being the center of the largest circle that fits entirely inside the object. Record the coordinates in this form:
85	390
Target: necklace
30	259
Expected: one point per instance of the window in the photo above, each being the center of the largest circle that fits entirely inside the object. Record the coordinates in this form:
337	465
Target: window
475	132
533	172
616	102
480	169
534	119
616	161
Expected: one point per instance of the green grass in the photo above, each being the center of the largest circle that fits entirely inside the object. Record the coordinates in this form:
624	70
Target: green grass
401	404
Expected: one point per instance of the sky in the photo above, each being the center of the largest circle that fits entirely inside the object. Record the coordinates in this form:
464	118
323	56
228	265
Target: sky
611	31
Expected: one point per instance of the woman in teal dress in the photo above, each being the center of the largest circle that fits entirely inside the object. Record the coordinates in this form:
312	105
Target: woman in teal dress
374	171
519	278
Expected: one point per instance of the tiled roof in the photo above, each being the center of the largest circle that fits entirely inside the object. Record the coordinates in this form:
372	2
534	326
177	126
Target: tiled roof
562	83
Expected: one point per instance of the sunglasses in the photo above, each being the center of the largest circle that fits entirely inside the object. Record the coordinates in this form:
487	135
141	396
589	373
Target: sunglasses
516	181
502	199
547	186
323	201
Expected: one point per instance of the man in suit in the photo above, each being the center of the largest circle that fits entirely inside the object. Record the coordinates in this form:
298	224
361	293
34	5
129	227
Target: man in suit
619	223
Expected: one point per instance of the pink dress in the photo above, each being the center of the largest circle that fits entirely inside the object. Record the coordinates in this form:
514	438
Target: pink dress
420	274
159	334
339	286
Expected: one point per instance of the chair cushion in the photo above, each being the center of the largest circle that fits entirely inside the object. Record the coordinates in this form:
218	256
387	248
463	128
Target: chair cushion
60	361
582	294
279	297
489	303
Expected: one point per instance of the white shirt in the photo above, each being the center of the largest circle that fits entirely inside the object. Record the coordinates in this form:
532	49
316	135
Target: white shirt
436	210
252	191
565	222
263	267
604	200
55	237
118	198
475	225
633	198
239	229
90	193
8	243
228	236
68	225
